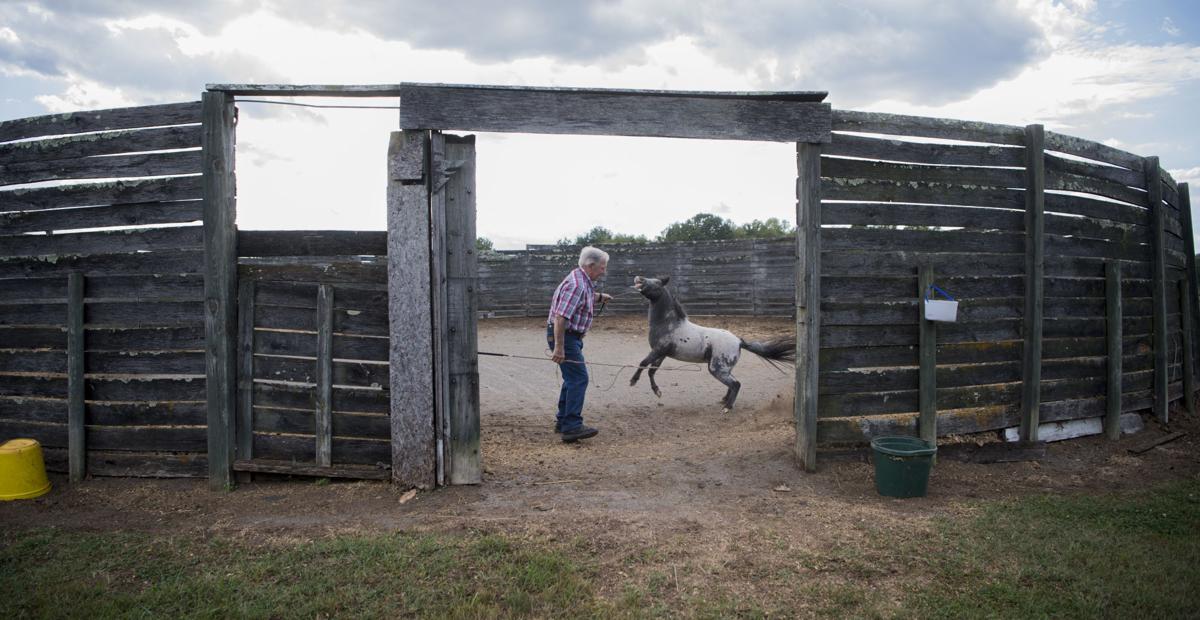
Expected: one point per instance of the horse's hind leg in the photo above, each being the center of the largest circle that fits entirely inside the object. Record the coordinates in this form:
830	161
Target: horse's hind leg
722	370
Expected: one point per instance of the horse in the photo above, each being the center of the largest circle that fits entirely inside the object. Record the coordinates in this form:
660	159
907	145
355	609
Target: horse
673	335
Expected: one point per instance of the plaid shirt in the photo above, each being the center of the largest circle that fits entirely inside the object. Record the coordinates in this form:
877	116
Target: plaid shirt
574	299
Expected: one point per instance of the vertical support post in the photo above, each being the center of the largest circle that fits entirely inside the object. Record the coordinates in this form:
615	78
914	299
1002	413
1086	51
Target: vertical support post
324	412
463	459
1159	278
76	436
437	284
1113	317
928	360
245	413
1191	310
1189	352
409	317
808	300
220	284
1035	228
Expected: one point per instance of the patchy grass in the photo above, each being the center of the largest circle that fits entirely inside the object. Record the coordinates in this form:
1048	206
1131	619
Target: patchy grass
1133	555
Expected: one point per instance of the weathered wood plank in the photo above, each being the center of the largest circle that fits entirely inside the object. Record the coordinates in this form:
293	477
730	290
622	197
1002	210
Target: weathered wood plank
76	446
101	120
847	145
1114	337
1123	176
927	352
363	426
126	141
264	466
874	214
54	410
350	322
1068	182
303	295
301	397
142	214
324	417
346	451
412	441
1154	203
463	456
1189	371
127	191
918	192
439	175
104	242
220	286
244	432
134	464
1092	150
808	301
125	166
1097	208
919	126
312	243
885	239
188	338
1192	308
837	168
147	263
790	118
366	348
322	271
302	370
1031	327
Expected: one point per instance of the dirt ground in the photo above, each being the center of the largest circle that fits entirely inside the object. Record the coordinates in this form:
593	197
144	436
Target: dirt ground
707	494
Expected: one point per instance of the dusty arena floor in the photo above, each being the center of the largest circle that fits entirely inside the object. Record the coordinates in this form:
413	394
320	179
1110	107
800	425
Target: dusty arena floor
672	475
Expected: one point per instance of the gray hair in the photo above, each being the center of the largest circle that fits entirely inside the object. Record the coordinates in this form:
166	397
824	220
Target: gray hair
591	256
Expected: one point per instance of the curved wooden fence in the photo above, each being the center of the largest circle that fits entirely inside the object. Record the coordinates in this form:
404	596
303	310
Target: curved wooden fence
1018	224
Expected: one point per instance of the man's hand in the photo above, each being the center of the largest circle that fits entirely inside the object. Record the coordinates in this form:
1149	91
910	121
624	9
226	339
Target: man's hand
559	355
605	298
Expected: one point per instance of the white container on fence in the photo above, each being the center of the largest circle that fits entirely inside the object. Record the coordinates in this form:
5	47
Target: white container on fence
943	310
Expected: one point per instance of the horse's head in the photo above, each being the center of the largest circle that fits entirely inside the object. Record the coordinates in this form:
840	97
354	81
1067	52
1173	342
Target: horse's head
651	288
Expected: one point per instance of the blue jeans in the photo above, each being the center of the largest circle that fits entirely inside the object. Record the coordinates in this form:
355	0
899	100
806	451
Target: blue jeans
574	381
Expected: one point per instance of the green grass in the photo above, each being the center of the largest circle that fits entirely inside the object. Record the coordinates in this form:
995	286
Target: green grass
1129	556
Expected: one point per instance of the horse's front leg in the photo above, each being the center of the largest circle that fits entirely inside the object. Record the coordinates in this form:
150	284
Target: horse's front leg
637	374
650	375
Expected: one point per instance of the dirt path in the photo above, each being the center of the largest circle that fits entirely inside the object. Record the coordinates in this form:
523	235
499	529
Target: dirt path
671	476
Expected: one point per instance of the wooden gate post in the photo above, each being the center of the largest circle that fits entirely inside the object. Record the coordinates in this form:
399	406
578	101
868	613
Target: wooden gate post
220	284
1190	308
808	300
1159	277
1035	227
927	359
409	311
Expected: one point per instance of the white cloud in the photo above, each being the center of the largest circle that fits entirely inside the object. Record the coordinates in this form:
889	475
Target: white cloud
1169	27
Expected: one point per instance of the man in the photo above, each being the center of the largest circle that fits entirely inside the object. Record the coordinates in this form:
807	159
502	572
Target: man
571	312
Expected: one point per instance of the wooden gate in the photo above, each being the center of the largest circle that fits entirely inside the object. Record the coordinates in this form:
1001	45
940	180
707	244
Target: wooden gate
433	279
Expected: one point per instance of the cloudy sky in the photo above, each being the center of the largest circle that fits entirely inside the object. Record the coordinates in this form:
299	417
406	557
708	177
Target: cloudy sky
1122	72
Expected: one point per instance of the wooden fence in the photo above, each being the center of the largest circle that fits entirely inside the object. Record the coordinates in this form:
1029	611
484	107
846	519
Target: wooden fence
736	277
1019	224
101	268
313	354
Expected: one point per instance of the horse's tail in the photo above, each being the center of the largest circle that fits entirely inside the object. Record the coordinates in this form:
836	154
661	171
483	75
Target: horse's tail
782	349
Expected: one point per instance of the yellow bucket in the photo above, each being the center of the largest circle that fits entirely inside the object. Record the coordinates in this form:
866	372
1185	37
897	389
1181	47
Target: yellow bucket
22	471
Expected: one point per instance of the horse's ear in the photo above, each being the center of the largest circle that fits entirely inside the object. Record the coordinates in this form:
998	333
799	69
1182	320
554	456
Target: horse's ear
665	279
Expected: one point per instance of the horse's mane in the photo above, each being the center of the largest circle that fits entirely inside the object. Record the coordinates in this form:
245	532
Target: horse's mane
677	307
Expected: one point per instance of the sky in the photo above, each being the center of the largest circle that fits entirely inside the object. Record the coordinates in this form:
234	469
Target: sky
1115	71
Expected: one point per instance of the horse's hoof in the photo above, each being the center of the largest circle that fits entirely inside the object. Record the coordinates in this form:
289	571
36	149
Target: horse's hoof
725	410
658	392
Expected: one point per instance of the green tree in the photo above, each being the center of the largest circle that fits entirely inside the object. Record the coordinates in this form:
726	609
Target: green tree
483	244
759	229
600	235
700	227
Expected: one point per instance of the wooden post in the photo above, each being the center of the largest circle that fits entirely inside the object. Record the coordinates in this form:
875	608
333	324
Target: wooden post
1159	277
808	300
245	414
437	284
76	436
1189	352
324	409
414	463
928	359
463	461
1191	309
1035	227
1113	316
220	284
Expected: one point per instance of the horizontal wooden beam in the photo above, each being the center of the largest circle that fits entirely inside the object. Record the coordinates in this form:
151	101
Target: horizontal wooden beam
307	90
776	117
394	90
265	466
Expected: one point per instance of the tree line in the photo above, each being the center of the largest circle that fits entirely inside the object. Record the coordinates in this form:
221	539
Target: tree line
699	227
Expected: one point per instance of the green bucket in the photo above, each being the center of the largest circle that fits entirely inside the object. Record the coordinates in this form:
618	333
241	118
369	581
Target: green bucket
902	465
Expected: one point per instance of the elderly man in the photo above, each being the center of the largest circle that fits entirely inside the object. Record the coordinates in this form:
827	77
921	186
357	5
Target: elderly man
571	312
